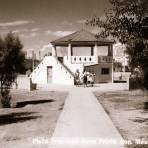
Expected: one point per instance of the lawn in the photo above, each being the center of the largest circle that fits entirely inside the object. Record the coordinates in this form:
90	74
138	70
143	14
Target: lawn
127	111
35	116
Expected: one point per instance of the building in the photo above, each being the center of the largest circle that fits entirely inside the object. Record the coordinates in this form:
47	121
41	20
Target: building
83	51
120	55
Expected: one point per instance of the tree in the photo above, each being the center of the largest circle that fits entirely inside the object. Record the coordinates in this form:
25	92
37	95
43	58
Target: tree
28	64
127	21
11	63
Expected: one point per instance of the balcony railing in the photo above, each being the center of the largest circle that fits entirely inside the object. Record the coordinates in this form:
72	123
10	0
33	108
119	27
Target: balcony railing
105	59
89	59
82	59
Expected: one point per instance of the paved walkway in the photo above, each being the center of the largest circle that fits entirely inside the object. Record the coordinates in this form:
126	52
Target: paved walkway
83	121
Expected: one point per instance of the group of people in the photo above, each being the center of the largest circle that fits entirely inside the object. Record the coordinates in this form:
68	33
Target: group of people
86	78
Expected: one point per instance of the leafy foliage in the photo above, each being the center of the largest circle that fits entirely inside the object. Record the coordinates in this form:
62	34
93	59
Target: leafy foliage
29	63
5	99
127	21
11	61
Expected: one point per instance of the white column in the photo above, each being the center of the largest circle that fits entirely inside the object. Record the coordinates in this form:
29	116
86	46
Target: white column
53	51
111	54
39	55
96	53
69	53
112	72
33	59
110	50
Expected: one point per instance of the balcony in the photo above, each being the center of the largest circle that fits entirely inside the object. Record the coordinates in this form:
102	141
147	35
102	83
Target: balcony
82	59
105	59
89	59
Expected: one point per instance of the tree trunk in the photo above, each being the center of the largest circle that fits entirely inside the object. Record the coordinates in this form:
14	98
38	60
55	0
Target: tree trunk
1	105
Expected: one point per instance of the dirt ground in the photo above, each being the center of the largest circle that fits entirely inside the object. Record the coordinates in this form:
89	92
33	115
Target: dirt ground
128	113
34	117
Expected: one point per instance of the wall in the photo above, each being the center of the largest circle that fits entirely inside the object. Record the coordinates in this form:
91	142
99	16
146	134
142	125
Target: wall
81	51
106	77
102	51
99	78
73	67
59	74
23	82
122	75
39	75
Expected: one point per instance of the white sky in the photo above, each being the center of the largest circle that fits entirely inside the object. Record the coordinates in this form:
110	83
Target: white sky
38	22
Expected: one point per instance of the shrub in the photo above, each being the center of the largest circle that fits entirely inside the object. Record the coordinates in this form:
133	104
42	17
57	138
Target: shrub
146	78
11	64
135	83
5	99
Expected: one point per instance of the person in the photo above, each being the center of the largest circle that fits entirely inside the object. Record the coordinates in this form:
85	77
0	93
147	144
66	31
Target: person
85	78
90	79
81	77
77	77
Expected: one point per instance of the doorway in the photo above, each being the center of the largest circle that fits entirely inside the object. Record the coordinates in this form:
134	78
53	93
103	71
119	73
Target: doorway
49	74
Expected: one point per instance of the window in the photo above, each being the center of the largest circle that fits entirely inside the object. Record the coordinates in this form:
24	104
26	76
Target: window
105	71
81	51
102	50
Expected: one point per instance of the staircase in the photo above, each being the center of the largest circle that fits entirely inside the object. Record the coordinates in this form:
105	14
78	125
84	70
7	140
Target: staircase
66	68
61	74
36	71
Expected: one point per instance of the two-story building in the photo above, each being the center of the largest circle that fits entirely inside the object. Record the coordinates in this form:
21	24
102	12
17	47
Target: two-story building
83	51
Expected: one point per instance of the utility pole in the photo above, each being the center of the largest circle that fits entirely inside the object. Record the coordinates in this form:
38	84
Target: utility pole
39	55
33	58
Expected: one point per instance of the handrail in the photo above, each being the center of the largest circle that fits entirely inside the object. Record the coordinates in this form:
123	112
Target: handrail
66	68
38	65
36	71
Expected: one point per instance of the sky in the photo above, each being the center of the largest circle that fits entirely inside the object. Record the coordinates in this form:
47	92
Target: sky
38	22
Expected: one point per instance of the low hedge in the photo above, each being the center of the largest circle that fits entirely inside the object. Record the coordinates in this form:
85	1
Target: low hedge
135	83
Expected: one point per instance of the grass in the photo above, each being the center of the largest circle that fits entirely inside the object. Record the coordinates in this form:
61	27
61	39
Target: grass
128	113
34	115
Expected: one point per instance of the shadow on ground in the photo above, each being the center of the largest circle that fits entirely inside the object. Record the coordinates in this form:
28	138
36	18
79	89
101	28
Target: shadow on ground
88	85
32	102
140	120
17	117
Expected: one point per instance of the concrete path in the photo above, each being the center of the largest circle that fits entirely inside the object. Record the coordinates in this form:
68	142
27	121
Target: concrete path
84	123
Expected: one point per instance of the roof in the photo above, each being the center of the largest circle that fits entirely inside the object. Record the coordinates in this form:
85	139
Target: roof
82	36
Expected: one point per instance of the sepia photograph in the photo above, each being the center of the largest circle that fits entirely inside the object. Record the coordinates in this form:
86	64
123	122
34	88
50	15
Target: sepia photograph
73	74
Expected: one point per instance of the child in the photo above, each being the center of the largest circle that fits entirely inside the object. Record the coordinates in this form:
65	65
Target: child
77	79
91	78
85	78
